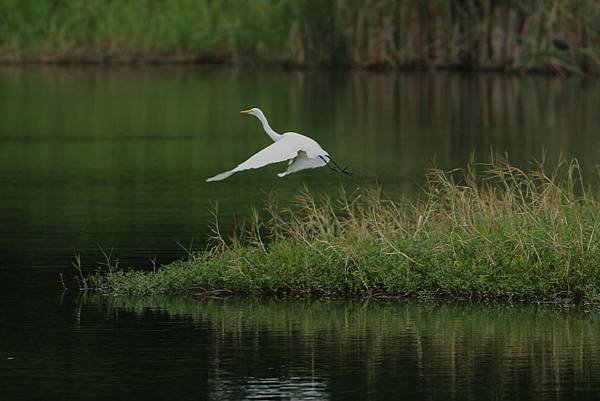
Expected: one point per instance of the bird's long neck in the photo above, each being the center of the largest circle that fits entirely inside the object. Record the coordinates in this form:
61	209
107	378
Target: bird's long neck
272	134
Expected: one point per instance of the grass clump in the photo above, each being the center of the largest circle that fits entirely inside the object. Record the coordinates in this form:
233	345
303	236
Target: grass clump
489	231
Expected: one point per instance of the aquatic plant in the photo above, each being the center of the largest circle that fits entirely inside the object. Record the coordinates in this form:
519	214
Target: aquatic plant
489	231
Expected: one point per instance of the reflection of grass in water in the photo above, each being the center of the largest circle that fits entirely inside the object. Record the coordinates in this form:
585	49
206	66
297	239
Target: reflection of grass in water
461	343
537	34
352	317
499	234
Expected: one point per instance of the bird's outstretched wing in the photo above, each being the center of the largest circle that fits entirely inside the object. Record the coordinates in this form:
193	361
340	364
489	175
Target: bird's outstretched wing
276	152
302	162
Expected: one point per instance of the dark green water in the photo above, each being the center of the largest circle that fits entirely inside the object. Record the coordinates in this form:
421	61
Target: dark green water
118	158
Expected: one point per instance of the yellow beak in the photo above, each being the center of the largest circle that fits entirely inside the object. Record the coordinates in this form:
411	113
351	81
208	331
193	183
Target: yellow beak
245	112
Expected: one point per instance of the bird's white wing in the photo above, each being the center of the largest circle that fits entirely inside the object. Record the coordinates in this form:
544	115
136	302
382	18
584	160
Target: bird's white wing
276	152
302	162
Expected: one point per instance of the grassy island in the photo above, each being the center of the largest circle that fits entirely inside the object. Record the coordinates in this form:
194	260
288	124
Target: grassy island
486	232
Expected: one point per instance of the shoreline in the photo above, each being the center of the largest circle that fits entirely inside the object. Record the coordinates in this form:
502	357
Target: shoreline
554	36
150	62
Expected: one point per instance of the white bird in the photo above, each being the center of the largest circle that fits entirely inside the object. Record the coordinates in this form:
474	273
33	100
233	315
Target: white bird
301	151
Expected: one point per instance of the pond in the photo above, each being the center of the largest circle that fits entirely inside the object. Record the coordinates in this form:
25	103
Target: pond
117	159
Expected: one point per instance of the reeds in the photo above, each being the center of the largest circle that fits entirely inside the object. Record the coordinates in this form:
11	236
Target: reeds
556	35
489	231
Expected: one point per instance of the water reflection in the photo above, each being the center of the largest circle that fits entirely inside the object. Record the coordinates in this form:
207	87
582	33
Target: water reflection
273	388
315	350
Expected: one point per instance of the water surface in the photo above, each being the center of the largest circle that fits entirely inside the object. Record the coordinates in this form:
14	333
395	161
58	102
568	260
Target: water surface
117	158
160	348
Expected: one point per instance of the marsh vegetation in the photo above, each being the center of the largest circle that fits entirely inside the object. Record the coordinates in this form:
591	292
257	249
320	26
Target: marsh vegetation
551	35
486	232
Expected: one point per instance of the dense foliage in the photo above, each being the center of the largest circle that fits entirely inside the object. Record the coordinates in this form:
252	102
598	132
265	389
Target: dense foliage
515	34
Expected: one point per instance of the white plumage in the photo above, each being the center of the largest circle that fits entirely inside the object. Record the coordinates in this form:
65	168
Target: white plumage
301	151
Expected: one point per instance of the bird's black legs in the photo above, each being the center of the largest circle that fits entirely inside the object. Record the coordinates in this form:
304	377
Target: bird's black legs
331	168
340	169
335	166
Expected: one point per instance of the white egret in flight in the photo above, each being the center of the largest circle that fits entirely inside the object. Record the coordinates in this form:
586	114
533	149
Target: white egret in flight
300	151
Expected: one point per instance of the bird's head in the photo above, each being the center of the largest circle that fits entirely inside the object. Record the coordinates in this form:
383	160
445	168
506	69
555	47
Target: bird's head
255	111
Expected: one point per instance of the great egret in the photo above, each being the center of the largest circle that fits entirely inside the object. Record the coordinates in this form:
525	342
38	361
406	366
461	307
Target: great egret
301	151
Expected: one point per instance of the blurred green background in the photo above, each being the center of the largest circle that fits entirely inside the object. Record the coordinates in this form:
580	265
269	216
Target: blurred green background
549	35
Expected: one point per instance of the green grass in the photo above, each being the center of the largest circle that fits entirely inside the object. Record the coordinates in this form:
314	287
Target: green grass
499	233
555	35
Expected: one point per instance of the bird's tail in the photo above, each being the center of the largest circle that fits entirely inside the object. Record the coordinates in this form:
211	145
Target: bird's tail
221	176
